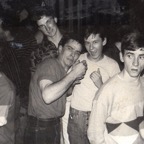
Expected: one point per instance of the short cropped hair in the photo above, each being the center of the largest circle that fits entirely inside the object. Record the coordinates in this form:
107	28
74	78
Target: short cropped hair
38	11
132	41
69	37
94	30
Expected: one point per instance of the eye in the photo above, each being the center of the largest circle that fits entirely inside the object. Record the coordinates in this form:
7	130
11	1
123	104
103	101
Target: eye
94	42
130	56
49	21
42	26
86	43
141	57
69	48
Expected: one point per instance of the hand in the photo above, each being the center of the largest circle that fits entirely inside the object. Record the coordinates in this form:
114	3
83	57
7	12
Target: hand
79	70
96	78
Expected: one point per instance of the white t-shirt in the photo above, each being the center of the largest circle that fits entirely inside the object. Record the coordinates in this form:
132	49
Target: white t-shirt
83	93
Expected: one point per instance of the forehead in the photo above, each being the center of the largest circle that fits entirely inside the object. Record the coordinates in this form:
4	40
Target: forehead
43	20
92	37
74	44
136	52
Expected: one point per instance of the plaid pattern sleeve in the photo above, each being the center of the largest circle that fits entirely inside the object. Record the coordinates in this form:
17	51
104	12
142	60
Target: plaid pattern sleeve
45	50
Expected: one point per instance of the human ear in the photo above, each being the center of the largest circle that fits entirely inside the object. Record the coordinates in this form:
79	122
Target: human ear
104	41
60	49
121	57
55	19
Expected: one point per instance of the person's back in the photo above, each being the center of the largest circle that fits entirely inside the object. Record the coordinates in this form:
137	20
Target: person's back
7	110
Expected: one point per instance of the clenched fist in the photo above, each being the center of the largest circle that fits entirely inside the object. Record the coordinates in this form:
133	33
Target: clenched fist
79	70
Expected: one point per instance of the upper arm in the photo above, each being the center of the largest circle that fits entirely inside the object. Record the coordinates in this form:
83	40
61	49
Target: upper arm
43	83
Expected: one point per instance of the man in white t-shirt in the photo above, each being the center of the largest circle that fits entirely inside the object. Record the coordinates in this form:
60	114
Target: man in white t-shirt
100	69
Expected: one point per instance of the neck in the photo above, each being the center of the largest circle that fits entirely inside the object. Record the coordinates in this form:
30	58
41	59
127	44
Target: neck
95	59
56	38
124	74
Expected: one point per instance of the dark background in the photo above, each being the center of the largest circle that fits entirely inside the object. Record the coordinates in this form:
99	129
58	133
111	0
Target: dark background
75	14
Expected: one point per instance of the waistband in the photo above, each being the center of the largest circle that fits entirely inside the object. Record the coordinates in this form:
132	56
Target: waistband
79	112
33	121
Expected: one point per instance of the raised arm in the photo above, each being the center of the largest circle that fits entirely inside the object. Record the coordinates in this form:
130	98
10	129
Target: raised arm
52	91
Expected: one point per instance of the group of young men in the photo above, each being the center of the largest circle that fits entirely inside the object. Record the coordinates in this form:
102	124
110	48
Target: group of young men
106	106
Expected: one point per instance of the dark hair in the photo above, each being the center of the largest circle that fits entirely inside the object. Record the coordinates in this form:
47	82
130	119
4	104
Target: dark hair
132	41
38	11
94	30
3	46
69	37
120	32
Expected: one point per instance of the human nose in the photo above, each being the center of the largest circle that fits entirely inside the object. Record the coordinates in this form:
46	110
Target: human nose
136	61
90	46
72	53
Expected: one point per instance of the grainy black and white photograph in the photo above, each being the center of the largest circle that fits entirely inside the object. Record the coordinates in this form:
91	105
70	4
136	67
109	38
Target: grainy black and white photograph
71	72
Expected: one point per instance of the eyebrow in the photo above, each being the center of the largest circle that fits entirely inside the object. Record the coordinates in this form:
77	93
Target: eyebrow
141	55
129	52
141	49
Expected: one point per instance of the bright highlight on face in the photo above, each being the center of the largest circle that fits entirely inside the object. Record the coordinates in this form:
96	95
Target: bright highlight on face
47	24
94	45
70	52
134	61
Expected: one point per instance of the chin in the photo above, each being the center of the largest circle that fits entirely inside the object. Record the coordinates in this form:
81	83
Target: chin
134	75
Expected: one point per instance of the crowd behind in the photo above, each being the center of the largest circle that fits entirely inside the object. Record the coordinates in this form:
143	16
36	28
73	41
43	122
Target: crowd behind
58	87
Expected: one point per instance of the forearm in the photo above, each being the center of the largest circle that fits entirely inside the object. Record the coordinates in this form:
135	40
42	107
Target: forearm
96	124
55	90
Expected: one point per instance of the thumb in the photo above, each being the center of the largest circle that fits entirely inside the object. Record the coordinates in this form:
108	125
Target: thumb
78	61
98	71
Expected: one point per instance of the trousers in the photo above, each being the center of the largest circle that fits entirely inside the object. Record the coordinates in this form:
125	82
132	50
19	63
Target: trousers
77	126
42	131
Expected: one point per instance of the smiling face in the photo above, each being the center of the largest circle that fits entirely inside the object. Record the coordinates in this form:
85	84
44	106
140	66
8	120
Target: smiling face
133	62
69	53
47	24
94	45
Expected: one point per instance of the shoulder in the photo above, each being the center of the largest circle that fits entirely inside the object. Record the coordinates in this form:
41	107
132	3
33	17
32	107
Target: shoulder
107	88
108	59
111	63
48	62
6	85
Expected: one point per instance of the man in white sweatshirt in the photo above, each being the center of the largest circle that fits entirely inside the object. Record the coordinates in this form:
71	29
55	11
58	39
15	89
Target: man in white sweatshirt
117	115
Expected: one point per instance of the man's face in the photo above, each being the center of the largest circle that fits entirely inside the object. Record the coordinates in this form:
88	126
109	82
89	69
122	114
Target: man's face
94	45
47	25
70	53
133	62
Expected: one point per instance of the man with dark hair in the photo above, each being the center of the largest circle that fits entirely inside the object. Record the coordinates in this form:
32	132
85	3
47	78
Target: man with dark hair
100	69
118	108
48	91
114	48
48	36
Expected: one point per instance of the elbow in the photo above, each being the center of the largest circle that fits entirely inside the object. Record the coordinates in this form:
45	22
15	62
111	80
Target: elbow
46	99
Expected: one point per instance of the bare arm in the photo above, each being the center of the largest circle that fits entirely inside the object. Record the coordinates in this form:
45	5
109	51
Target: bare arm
52	91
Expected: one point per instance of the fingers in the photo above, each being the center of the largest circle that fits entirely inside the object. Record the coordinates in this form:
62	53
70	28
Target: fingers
78	61
84	63
98	71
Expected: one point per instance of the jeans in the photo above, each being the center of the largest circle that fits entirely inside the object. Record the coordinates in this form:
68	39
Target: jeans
42	132
77	126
